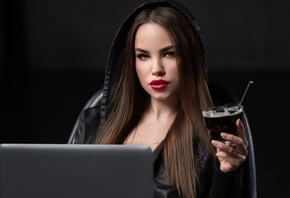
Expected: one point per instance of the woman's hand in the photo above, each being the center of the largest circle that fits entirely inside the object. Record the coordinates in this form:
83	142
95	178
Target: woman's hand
233	155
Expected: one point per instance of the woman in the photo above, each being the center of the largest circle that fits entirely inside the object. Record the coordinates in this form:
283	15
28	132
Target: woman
155	87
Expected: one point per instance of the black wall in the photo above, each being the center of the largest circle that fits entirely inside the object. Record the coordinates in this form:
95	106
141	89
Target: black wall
72	35
53	53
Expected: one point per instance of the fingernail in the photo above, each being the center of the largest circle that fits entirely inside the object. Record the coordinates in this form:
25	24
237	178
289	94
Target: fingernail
214	142
224	135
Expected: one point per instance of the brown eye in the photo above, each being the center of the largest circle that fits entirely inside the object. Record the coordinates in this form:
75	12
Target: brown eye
169	54
142	56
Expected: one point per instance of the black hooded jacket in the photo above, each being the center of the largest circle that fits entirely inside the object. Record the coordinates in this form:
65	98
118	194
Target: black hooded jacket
212	182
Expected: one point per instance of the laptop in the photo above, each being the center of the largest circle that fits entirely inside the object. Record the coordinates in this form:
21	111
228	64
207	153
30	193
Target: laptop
75	171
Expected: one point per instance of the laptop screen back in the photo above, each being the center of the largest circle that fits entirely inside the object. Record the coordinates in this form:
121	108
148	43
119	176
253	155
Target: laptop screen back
75	171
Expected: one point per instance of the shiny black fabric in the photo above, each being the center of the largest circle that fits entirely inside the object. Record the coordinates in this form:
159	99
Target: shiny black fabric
212	182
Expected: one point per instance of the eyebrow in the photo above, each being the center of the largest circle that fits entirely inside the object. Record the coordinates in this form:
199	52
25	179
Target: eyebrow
161	50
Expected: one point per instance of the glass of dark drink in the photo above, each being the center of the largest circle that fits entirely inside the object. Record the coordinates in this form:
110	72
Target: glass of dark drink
222	119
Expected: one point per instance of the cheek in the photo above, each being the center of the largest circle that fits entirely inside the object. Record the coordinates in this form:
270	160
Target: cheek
173	71
139	72
142	70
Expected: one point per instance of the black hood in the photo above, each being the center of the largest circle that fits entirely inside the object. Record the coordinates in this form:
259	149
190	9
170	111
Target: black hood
116	53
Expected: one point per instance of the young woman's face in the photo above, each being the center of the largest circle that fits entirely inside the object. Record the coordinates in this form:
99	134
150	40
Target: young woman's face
156	63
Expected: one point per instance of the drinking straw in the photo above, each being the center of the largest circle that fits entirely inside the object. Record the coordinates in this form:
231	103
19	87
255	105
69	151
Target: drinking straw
245	93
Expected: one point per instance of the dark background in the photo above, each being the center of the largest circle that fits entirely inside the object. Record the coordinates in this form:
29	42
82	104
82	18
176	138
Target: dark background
53	54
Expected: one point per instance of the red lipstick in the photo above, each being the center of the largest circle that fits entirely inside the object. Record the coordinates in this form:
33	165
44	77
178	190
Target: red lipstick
158	84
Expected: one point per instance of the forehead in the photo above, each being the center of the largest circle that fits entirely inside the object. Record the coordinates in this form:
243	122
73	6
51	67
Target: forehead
152	34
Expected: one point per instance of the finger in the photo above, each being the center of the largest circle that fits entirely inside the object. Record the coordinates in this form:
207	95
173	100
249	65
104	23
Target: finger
242	134
241	131
229	152
233	153
232	139
236	145
224	147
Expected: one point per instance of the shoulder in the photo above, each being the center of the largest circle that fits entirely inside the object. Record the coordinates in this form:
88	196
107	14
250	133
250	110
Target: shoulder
88	124
90	114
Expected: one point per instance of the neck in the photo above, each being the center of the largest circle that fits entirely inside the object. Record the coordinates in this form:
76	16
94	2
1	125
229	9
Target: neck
160	110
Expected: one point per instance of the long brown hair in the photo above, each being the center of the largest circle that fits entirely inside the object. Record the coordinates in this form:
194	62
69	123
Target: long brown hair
128	100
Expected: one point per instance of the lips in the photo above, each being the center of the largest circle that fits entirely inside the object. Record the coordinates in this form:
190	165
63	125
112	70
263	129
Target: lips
158	84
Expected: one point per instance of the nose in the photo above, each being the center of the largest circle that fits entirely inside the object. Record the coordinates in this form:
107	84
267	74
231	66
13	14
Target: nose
157	68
